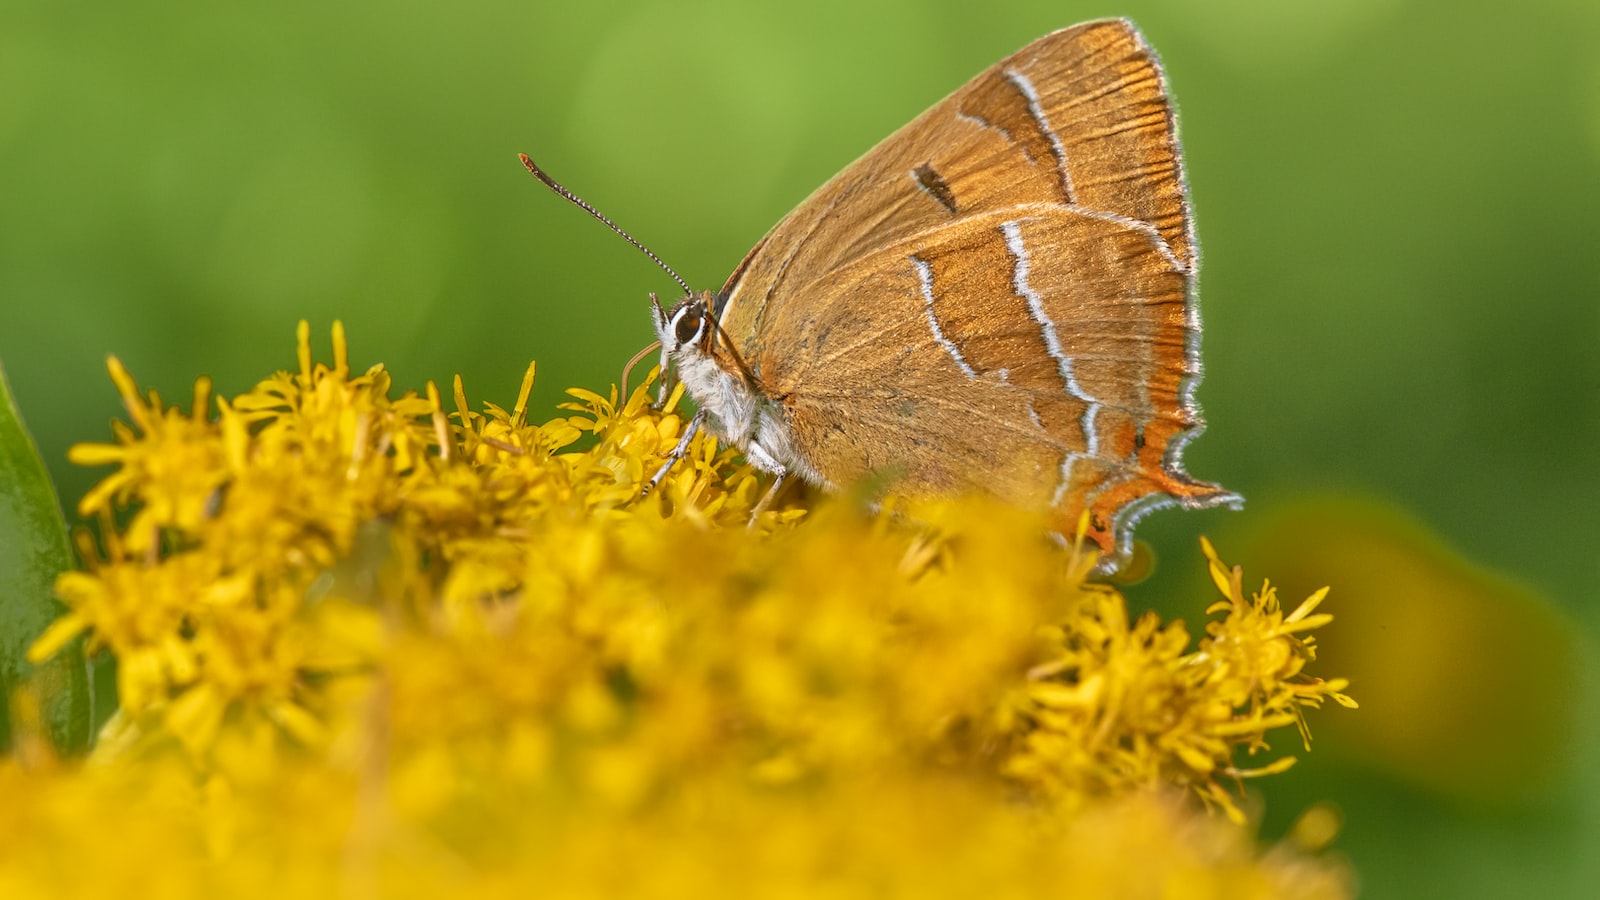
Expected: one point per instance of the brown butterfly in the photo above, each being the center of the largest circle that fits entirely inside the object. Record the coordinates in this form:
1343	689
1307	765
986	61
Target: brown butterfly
999	297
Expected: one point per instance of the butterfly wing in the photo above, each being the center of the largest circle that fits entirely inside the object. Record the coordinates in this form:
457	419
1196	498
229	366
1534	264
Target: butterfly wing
1065	386
1078	117
1007	279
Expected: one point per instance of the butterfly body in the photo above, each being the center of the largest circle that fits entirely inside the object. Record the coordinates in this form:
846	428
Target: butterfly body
998	297
738	407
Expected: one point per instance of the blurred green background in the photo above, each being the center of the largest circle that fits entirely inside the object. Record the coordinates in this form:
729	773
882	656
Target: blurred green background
1397	203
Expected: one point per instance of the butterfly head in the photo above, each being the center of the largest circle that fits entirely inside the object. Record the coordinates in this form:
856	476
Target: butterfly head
696	350
686	328
689	344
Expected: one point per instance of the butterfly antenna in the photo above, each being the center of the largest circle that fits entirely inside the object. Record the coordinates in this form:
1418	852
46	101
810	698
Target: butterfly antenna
582	204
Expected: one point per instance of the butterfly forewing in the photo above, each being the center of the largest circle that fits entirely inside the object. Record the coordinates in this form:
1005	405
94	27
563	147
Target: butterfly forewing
1079	116
998	295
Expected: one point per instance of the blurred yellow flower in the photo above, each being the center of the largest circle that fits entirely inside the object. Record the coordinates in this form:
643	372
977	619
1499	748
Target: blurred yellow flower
369	645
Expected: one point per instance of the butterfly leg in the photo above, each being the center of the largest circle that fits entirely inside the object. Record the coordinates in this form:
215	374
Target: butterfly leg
677	453
765	461
766	499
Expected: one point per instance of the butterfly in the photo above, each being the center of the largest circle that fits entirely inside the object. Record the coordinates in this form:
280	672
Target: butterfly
999	297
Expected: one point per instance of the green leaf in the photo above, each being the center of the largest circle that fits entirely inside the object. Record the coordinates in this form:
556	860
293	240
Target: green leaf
33	550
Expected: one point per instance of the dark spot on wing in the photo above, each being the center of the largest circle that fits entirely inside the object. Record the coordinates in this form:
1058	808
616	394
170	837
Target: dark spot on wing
932	182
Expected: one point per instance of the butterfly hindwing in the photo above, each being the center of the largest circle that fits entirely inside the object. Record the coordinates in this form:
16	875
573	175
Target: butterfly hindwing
955	338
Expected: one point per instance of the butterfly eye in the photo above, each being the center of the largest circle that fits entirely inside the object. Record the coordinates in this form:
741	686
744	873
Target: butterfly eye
688	326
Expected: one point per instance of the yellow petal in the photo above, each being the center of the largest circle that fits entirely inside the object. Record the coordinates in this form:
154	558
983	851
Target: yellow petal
60	632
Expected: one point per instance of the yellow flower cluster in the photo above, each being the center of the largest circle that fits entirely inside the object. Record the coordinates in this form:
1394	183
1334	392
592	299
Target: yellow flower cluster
1123	705
366	645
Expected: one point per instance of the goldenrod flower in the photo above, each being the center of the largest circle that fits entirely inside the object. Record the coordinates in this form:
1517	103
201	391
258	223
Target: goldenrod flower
369	644
1125	705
